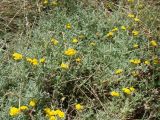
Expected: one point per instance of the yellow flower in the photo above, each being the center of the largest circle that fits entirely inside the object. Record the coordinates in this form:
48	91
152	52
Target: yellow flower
42	60
45	1
52	118
33	103
54	41
70	52
60	113
132	89
23	107
29	60
17	56
47	110
68	26
14	111
135	33
123	28
34	61
131	15
54	3
81	36
130	0
136	19
92	43
118	71
135	73
115	94
147	62
135	45
75	40
135	61
51	113
153	43
126	90
78	60
79	107
115	29
155	60
64	66
110	34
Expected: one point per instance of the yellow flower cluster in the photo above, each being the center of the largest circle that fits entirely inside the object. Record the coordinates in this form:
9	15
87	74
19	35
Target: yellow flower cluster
128	91
133	17
35	61
16	111
13	111
135	61
53	114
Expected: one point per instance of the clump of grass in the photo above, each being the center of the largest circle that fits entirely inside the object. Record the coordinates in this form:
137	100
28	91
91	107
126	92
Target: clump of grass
83	64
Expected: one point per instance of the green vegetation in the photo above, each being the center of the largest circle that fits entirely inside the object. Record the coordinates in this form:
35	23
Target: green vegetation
88	60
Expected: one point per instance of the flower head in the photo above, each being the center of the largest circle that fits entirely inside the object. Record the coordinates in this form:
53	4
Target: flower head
131	1
70	52
115	94
45	1
64	65
126	90
147	62
23	108
54	41
135	61
123	28
155	60
34	61
118	71
110	34
115	29
153	43
17	56
135	33
136	19
135	45
14	111
52	118
135	73
32	103
42	60
68	26
130	15
79	107
75	40
92	43
60	113
78	59
132	89
54	3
